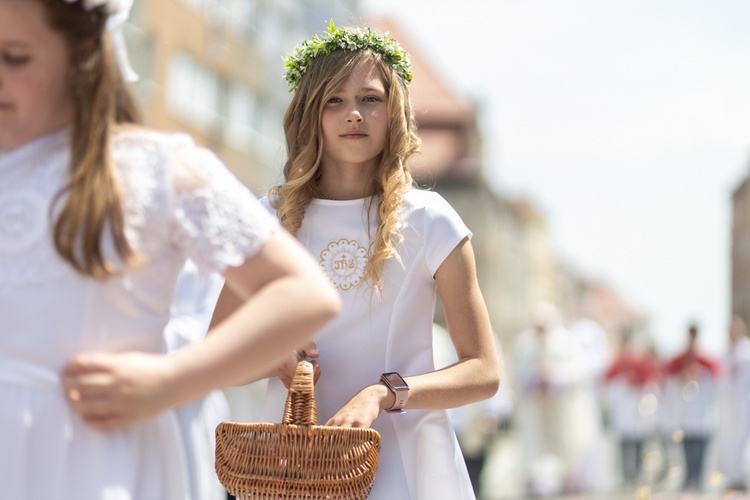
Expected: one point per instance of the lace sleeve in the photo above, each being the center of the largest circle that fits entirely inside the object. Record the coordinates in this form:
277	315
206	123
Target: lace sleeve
219	221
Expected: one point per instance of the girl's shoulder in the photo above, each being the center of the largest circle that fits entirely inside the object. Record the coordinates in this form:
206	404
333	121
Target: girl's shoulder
430	211
419	196
426	201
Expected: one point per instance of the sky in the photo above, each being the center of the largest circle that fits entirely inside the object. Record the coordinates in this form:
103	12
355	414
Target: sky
626	122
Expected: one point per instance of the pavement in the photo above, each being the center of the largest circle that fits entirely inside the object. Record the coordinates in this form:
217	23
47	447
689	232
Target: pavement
501	477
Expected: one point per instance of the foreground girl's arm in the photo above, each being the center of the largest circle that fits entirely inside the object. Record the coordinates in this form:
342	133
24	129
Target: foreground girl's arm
476	374
287	299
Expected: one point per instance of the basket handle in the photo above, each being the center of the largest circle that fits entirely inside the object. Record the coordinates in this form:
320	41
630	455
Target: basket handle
299	408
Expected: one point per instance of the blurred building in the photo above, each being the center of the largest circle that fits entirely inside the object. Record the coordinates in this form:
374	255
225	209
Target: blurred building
213	69
516	264
740	249
584	296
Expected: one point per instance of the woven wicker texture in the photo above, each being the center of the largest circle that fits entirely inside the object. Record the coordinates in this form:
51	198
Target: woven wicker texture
296	459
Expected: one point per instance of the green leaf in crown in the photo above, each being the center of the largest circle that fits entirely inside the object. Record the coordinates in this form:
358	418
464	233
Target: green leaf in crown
345	39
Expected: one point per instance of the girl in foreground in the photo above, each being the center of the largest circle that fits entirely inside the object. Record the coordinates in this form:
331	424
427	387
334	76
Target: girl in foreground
98	216
348	197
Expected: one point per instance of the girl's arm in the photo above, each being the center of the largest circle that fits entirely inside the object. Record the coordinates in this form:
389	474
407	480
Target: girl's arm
476	374
285	298
227	304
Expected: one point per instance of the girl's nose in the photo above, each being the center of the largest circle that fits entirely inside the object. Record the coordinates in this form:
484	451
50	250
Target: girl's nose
354	116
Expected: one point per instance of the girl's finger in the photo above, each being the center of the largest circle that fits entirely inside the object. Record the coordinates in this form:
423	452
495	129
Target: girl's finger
92	383
92	408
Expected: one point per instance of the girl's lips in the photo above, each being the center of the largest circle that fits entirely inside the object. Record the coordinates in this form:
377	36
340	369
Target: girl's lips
353	135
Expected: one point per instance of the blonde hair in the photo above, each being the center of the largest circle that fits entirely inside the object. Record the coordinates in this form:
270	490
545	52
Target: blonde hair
304	144
101	100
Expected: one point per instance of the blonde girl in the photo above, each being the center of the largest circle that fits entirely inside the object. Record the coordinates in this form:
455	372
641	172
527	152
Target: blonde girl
387	247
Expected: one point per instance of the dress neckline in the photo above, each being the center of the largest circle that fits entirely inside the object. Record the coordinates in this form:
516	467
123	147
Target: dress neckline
355	201
48	142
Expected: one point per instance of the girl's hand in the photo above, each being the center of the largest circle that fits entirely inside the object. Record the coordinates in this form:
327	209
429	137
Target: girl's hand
363	409
114	390
286	369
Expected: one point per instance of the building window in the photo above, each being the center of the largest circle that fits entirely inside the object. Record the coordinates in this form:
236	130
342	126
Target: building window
240	113
194	93
239	16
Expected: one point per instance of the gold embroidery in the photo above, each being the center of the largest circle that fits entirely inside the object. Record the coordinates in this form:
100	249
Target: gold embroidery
344	262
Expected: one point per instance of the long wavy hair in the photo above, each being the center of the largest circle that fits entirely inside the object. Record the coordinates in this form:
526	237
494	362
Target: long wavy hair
91	200
304	144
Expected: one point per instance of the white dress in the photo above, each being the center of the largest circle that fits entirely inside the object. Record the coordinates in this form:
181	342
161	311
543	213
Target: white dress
194	303
733	398
180	202
548	416
419	458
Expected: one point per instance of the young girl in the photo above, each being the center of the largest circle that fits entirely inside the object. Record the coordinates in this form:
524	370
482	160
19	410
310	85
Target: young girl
387	247
96	220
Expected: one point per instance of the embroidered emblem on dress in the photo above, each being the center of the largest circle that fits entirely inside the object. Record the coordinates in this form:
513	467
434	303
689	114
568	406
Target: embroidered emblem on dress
344	262
23	220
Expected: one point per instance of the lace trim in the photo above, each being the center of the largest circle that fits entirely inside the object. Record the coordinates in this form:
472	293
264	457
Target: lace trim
212	218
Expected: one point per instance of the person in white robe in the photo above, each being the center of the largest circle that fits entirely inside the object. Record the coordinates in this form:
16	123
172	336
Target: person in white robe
585	447
545	372
734	409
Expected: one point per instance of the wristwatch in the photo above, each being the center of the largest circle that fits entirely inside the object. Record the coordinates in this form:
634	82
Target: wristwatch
399	388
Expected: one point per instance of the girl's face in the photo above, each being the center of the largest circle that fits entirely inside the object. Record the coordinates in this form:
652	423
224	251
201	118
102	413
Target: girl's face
35	97
355	121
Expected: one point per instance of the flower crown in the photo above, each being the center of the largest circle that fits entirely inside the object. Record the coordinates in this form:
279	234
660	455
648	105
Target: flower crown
345	39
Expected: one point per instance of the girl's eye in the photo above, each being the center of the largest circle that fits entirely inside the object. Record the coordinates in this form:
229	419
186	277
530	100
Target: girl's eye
372	98
15	60
334	100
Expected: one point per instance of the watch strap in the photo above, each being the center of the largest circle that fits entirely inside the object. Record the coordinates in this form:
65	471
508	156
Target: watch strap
401	393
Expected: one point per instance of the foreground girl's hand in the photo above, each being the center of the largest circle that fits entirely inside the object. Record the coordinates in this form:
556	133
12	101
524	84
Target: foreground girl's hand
364	408
114	390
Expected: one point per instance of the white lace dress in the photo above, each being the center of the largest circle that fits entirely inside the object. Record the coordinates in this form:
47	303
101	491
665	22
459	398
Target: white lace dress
180	202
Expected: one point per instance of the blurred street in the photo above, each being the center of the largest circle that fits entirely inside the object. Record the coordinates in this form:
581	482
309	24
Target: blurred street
501	477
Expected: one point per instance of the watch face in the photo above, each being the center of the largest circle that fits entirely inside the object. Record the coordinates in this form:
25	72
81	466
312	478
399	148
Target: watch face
395	380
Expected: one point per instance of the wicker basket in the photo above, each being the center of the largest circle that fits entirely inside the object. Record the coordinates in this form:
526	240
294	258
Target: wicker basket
296	459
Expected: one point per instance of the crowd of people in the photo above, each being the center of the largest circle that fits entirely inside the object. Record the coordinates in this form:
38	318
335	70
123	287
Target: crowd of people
679	423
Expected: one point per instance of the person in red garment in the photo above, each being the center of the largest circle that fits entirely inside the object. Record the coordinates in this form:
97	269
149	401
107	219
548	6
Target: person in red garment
690	392
631	393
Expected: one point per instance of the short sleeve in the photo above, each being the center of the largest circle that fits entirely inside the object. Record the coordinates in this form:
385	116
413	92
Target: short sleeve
220	222
443	229
266	203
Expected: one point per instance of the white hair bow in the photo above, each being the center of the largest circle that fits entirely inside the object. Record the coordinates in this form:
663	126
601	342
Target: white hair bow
117	12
